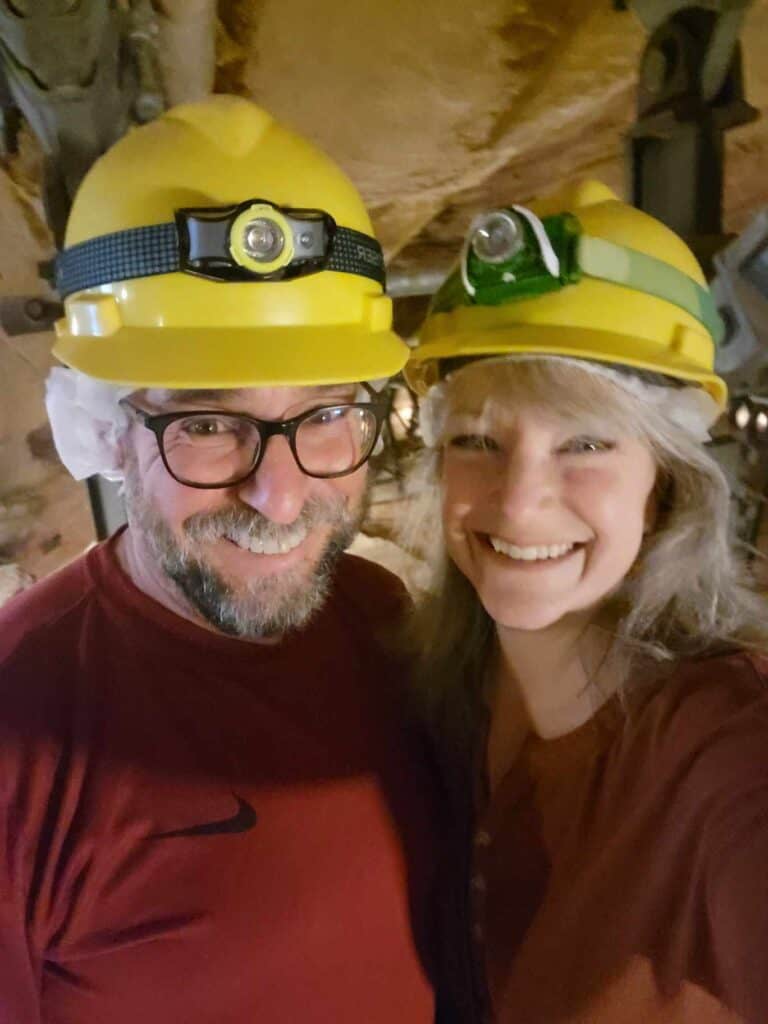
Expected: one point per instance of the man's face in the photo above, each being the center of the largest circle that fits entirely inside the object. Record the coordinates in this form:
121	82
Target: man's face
253	559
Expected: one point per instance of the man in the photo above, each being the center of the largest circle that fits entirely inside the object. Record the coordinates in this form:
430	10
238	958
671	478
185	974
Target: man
211	810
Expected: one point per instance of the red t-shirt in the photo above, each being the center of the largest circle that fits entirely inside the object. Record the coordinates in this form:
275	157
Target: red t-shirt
620	872
198	829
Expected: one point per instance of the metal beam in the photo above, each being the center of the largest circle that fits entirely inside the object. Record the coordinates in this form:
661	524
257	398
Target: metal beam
690	93
107	506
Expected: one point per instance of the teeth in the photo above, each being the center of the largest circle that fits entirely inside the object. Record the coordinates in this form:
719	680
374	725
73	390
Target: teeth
267	545
530	554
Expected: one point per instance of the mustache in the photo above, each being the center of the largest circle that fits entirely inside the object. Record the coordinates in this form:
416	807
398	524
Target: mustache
241	522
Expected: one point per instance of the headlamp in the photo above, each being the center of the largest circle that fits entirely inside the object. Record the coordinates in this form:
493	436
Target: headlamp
256	239
497	237
511	255
512	252
263	240
251	241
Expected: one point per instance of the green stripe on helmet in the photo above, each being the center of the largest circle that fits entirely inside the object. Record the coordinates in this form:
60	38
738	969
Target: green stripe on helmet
643	273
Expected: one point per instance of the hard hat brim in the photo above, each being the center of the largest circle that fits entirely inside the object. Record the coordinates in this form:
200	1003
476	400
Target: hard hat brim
551	340
182	357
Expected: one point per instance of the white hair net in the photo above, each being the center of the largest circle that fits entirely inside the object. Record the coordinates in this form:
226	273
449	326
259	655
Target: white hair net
692	408
87	421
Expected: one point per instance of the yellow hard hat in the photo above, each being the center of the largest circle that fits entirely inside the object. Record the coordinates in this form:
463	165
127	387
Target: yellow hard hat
578	274
216	248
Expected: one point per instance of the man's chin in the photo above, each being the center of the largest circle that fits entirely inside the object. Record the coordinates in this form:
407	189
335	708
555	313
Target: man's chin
265	606
258	596
235	589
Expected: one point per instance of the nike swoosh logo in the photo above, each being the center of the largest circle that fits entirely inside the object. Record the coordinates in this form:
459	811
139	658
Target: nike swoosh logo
243	821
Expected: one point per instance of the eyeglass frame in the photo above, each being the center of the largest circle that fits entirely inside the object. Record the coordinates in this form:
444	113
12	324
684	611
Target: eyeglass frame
158	423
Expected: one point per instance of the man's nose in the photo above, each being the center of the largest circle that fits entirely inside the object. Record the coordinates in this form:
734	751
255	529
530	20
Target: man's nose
278	489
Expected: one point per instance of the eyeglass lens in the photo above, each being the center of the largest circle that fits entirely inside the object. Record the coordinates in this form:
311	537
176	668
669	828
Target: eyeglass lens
213	448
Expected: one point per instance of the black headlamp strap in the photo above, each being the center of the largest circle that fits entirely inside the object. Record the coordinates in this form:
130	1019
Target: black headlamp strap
152	250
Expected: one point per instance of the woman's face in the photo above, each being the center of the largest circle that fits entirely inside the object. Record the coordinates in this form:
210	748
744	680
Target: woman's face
543	516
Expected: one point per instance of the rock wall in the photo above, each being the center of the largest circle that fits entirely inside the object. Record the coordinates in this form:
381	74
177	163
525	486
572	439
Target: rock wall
44	515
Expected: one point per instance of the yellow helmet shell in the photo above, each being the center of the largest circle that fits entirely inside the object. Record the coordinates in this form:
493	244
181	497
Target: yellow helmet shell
591	319
182	331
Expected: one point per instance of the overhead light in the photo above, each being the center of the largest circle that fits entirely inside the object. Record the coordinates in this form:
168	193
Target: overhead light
742	415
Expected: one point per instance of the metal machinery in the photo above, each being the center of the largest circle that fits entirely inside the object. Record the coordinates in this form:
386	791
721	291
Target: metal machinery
81	71
740	286
690	92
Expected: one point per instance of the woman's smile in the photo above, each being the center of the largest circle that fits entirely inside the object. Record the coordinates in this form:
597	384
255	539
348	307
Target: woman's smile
531	553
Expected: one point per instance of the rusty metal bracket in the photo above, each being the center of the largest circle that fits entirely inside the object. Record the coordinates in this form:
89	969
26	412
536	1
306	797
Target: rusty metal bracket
28	314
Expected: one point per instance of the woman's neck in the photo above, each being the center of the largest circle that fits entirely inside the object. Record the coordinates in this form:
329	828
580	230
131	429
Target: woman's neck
562	674
549	681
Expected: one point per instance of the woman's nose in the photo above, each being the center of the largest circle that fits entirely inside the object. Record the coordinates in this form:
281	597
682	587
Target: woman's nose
527	485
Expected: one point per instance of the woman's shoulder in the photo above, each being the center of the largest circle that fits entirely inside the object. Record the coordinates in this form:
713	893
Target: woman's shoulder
718	804
708	691
708	724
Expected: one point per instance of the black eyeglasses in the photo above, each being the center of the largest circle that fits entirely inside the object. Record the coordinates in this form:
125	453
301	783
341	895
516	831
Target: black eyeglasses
213	449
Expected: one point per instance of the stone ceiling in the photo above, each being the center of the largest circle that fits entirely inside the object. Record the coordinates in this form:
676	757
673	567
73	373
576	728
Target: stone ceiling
435	108
438	106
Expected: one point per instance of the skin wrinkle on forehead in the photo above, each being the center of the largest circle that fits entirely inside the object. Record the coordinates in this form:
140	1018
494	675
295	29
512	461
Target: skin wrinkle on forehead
222	396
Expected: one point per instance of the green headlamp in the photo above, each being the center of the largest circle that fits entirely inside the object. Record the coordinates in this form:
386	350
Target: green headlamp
511	254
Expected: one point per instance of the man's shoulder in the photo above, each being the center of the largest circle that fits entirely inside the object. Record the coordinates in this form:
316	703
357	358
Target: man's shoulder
44	607
376	592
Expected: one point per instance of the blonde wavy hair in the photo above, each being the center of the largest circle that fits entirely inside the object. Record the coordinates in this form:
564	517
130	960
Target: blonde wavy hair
689	593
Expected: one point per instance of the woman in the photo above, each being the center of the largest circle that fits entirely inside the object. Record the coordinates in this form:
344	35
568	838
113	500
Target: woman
592	652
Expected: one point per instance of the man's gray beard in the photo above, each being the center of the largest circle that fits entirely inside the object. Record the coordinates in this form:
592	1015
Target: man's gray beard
267	606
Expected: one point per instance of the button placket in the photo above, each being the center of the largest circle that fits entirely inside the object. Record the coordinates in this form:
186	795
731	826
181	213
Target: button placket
477	890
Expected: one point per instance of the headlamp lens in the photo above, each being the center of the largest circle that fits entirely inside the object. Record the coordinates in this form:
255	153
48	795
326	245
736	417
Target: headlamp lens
263	240
498	237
